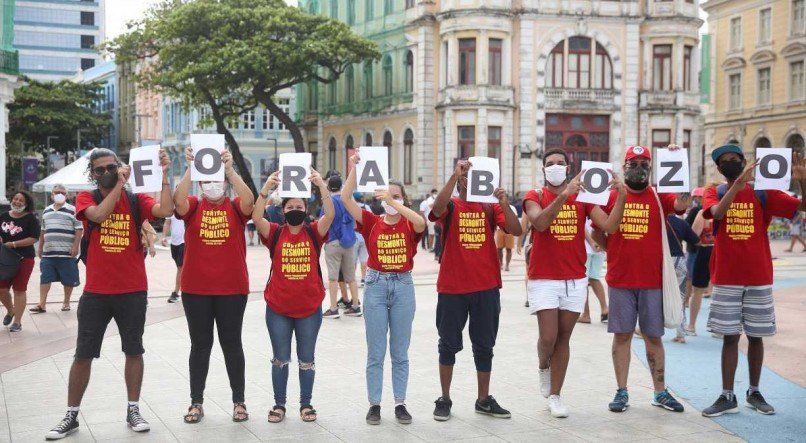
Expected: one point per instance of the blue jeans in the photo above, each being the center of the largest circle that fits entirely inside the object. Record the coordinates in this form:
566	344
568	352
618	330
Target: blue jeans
280	329
389	306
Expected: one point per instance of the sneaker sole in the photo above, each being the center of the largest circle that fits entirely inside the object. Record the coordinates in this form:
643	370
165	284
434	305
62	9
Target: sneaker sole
726	411
355	315
668	408
561	415
332	317
619	410
404	421
374	422
491	414
758	410
60	436
140	429
441	418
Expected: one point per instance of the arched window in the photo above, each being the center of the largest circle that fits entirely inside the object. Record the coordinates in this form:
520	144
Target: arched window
555	66
603	74
576	141
409	71
349	78
795	143
588	65
762	142
387	76
408	157
368	80
331	153
349	149
368	139
387	141
349	143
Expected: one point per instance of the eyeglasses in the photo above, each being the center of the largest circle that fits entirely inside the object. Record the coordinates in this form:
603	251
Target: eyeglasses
100	170
637	164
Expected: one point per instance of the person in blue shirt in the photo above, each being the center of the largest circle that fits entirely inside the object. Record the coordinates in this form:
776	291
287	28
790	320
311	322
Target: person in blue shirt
680	232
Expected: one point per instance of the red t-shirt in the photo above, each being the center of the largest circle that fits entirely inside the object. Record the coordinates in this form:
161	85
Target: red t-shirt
741	253
115	261
558	253
295	288
391	248
215	248
635	251
469	258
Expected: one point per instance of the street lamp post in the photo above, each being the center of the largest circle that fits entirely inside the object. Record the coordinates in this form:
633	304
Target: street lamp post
275	163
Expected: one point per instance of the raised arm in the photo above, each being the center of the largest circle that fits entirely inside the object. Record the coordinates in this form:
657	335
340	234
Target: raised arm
417	220
719	210
237	183
166	231
183	188
699	224
165	207
444	195
347	191
799	176
259	208
511	223
329	210
610	223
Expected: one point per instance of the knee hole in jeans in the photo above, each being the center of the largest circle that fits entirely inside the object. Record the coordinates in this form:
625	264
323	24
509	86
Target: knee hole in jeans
279	363
307	366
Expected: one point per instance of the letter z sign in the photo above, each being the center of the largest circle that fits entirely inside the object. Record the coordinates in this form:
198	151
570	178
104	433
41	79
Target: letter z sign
672	170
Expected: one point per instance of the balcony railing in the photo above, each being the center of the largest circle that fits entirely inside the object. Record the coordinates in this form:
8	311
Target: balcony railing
368	106
586	98
10	62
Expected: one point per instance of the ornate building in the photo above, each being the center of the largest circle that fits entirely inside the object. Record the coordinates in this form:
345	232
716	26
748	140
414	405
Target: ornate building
758	81
508	79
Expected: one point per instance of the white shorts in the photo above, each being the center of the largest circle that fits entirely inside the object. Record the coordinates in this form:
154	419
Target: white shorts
566	295
431	227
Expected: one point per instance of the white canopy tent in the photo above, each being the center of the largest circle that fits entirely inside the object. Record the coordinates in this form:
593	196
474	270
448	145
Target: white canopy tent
72	176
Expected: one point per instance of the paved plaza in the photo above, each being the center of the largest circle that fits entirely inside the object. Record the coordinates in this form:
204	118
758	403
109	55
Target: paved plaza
34	366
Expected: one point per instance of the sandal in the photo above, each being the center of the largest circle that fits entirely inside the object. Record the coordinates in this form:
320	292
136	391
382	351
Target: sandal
239	413
307	413
65	308
37	310
195	414
277	414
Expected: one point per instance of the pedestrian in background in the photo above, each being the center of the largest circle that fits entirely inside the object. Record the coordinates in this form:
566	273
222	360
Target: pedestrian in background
340	253
19	230
174	228
796	232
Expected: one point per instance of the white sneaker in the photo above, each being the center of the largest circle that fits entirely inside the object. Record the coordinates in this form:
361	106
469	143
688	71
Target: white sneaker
545	381
557	408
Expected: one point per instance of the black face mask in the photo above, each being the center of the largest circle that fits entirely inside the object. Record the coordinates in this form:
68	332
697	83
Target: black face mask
730	169
108	180
637	178
295	217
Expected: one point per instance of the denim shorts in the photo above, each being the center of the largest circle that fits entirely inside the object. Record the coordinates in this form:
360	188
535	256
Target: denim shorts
59	269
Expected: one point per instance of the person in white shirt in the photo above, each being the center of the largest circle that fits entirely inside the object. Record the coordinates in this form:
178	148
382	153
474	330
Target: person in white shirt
174	228
425	209
596	258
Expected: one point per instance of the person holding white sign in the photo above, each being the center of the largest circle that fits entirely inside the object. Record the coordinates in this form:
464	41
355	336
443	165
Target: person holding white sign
558	287
389	303
295	290
214	280
468	285
635	278
741	268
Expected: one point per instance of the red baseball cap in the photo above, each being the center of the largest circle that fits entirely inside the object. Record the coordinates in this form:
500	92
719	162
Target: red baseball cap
637	151
698	192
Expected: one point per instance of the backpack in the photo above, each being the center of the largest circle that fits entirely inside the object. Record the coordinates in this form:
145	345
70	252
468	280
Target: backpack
722	189
134	208
446	223
275	238
343	226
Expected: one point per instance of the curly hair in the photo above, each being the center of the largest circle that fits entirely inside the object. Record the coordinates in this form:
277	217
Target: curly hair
30	205
95	155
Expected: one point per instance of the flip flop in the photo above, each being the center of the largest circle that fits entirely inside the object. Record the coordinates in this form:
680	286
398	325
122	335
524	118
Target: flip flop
65	308
37	310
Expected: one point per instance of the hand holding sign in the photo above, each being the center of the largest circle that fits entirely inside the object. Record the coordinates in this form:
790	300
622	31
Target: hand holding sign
673	170
295	173
372	170
596	181
773	170
146	173
207	164
483	179
799	167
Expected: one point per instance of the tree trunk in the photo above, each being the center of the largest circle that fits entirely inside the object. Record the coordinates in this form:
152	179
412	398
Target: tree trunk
265	99
234	148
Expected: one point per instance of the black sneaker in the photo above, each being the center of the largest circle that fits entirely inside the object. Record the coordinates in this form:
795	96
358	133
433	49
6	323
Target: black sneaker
7	319
173	298
136	421
343	304
402	415
756	401
442	411
331	313
67	426
491	407
353	311
374	415
721	406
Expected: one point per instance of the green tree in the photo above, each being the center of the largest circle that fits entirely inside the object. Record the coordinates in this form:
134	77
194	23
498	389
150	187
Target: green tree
47	109
228	55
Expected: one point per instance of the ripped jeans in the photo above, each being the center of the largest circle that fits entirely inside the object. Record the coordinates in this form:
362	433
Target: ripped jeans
280	330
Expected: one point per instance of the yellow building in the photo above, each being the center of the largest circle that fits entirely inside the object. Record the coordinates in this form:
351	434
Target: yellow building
758	85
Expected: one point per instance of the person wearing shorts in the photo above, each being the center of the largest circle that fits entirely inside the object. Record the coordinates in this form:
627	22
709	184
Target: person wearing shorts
701	275
340	258
593	270
635	278
557	286
19	230
741	269
504	241
174	228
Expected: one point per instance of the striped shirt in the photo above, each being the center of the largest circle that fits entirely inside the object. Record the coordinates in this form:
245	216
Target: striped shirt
60	228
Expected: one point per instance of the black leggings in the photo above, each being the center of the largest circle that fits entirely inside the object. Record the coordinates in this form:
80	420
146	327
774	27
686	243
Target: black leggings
227	313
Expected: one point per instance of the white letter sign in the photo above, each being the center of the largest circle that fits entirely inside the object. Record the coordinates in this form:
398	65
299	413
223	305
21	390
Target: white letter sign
672	167
372	172
146	172
596	181
483	179
207	150
295	168
774	169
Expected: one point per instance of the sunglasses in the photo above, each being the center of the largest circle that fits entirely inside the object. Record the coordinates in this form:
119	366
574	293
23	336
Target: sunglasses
100	170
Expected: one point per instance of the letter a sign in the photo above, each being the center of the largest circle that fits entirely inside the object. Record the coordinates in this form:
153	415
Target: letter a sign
146	172
207	165
372	172
483	179
295	168
774	169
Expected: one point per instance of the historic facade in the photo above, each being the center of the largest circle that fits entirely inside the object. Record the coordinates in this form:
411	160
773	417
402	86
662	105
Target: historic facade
508	79
758	79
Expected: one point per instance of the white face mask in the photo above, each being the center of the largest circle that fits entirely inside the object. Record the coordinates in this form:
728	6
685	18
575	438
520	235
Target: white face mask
17	209
59	199
556	174
389	209
213	191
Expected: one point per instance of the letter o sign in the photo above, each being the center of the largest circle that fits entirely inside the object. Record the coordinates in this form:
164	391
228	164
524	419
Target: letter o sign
596	180
781	166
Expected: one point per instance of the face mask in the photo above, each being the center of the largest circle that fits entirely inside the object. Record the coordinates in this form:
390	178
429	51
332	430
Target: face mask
213	191
730	169
17	209
295	217
389	209
108	180
556	174
637	178
59	198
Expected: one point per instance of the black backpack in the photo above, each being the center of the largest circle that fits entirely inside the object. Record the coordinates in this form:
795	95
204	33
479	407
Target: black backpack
275	238
134	207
